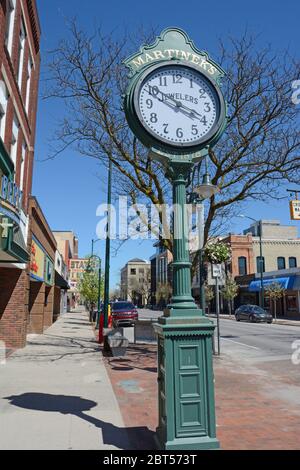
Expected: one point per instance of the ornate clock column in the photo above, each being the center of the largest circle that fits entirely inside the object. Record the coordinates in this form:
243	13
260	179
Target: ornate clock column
185	374
175	107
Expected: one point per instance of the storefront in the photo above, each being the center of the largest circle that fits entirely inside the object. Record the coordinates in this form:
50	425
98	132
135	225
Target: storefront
13	258
41	270
289	280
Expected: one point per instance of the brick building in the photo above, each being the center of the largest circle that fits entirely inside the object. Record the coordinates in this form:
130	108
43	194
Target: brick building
19	76
41	270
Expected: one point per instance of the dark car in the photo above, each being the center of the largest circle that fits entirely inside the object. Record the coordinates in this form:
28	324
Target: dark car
123	313
253	313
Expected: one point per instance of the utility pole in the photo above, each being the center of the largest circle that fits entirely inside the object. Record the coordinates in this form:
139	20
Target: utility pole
107	247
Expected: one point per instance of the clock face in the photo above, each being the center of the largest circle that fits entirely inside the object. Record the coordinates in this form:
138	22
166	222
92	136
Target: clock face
177	105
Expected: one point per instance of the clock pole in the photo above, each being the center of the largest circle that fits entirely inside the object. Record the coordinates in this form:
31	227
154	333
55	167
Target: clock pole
185	372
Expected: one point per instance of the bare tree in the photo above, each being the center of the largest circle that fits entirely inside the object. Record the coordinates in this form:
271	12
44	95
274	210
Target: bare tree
257	156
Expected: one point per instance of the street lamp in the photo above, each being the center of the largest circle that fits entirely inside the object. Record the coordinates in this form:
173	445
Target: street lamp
202	191
93	243
89	270
261	261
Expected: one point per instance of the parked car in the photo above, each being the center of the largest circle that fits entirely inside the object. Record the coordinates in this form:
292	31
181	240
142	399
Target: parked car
123	313
253	313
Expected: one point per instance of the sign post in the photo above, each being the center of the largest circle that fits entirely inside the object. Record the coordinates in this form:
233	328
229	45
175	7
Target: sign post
174	106
217	273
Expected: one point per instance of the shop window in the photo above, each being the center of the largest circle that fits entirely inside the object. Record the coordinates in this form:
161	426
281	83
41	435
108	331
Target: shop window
291	302
280	262
260	264
10	20
292	262
242	265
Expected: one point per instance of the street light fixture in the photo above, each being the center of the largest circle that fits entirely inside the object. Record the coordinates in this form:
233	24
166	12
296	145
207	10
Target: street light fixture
199	193
261	261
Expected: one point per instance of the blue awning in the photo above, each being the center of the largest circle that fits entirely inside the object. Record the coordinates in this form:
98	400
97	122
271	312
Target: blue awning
285	282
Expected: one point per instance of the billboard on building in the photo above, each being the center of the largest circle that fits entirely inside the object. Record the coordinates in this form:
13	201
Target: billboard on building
37	261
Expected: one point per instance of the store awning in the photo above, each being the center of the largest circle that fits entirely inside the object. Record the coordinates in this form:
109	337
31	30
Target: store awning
61	282
13	245
285	282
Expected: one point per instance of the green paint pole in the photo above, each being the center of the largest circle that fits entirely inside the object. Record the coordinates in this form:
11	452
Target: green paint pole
107	248
99	294
185	374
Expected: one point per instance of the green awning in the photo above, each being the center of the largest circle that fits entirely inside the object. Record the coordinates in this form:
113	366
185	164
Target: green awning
13	245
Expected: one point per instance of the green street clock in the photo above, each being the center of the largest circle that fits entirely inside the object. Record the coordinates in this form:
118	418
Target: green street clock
174	105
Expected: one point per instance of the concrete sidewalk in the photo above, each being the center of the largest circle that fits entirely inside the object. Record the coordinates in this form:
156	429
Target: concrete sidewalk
56	394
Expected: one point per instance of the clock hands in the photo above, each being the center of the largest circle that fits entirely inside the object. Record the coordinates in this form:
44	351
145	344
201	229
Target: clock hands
192	113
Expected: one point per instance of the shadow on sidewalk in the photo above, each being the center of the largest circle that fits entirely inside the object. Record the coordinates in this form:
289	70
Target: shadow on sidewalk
139	437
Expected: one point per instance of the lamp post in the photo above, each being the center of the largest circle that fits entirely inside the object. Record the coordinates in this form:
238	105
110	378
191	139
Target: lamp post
202	191
205	191
107	248
93	243
89	269
261	261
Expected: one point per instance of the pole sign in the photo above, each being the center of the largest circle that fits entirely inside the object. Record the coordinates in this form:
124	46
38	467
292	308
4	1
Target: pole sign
216	270
295	210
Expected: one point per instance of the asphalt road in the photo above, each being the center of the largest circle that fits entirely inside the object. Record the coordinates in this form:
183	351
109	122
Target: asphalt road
256	340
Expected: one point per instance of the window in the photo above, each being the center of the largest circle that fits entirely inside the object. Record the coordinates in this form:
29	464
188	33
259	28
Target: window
28	84
10	20
14	140
291	302
260	264
141	270
280	262
3	107
24	150
133	271
242	265
22	38
292	262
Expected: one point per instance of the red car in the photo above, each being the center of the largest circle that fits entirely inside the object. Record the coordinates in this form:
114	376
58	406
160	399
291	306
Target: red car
123	313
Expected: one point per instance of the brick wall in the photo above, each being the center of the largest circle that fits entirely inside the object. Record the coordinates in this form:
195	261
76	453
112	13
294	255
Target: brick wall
26	10
13	307
36	307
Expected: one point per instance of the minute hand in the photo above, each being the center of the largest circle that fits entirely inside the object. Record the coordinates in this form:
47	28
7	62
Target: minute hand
192	111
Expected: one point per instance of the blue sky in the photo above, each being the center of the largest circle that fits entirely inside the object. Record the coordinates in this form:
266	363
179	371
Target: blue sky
68	188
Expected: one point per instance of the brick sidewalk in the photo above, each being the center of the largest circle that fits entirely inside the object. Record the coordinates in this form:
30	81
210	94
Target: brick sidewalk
247	418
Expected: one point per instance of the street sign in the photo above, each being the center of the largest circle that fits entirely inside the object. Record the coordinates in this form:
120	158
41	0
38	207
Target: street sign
216	270
295	210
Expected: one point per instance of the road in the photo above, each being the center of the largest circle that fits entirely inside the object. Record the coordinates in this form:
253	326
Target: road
252	339
269	355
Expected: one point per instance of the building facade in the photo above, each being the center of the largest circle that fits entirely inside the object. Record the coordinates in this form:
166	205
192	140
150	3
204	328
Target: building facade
280	262
19	77
280	248
136	281
67	246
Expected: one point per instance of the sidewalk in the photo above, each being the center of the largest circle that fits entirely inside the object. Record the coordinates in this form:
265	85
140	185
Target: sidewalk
256	407
56	394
